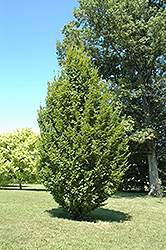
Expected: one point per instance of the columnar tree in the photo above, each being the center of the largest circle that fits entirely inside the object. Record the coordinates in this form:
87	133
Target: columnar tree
127	41
83	145
18	157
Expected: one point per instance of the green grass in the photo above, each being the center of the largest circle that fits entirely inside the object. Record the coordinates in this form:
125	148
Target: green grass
30	219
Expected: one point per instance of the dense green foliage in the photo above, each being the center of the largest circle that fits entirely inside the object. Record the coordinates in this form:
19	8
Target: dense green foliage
127	41
83	142
18	157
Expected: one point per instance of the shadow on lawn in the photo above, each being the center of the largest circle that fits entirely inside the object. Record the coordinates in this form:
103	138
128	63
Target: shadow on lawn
132	195
129	195
24	188
101	214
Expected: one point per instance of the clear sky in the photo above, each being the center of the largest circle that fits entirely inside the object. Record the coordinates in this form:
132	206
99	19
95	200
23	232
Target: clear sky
28	33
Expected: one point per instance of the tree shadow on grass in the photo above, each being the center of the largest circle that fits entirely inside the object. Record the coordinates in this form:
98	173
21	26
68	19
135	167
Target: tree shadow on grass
132	195
99	214
24	188
129	195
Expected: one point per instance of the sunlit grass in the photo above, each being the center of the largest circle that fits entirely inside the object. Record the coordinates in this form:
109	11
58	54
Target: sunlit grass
30	219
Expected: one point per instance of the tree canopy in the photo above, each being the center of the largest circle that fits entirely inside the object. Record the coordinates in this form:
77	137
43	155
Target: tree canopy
127	41
18	157
83	145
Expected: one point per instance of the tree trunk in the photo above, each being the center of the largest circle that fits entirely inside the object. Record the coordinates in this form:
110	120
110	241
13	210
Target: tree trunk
142	176
142	186
20	186
155	188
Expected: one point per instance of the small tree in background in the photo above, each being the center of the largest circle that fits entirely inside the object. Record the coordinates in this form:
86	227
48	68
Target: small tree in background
18	157
83	146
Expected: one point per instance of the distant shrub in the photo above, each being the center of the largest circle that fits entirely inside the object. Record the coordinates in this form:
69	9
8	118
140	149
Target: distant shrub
18	157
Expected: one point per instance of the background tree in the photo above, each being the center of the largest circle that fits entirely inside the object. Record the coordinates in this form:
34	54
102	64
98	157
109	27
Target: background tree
18	157
83	143
127	41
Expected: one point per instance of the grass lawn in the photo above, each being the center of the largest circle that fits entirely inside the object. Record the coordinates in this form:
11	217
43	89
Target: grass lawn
30	219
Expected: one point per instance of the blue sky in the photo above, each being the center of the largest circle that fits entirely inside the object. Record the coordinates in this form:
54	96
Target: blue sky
28	33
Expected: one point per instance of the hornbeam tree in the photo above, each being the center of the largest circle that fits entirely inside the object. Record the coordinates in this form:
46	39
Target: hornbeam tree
83	146
127	41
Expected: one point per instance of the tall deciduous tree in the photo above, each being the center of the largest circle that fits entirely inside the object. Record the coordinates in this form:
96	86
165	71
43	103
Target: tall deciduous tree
127	41
18	157
83	141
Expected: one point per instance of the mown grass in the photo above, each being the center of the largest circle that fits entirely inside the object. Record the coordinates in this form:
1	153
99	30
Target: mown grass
30	219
